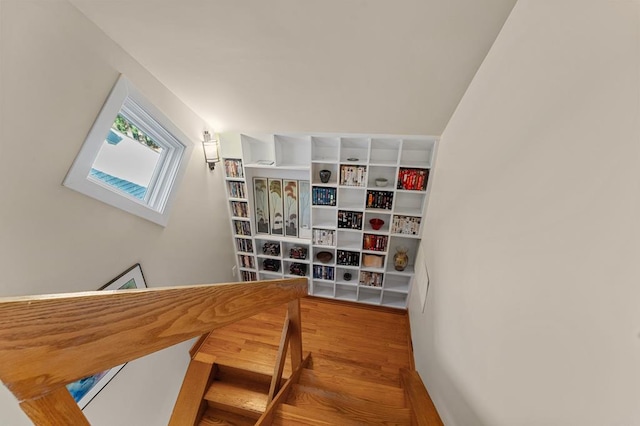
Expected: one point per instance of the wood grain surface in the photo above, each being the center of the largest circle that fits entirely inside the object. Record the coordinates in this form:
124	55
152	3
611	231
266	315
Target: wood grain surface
51	340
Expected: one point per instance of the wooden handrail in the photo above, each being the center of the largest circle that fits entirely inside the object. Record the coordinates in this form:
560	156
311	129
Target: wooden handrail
51	340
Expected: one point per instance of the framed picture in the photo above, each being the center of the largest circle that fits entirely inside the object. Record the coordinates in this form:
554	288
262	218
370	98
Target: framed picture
261	198
275	206
304	207
84	390
290	207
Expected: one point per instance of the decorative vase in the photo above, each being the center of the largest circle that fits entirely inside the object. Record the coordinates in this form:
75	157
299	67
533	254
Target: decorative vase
325	175
346	276
400	259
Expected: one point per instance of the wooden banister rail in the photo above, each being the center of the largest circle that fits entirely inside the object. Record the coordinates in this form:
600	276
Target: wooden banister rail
291	334
49	341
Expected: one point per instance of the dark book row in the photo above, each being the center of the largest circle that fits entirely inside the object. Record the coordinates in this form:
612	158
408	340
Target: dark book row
323	196
379	200
349	220
348	258
242	227
244	245
249	276
323	272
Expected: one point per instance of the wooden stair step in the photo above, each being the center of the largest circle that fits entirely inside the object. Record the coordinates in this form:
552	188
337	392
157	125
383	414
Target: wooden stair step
254	366
290	415
232	373
213	417
346	406
351	369
238	395
374	392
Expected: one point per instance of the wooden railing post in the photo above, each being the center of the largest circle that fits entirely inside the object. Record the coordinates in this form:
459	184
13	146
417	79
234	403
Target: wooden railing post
53	409
296	333
291	335
280	359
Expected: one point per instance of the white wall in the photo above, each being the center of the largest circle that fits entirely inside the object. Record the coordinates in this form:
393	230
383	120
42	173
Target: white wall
532	234
57	69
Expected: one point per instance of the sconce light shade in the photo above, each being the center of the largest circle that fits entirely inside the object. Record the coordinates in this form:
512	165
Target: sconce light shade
211	150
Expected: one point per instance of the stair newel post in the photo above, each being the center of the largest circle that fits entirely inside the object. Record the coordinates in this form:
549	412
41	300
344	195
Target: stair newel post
293	314
54	408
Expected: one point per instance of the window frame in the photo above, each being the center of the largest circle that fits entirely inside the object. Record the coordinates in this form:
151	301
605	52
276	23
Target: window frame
125	99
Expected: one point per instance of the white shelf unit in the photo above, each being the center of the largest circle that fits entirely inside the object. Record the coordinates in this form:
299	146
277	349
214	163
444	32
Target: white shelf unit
361	268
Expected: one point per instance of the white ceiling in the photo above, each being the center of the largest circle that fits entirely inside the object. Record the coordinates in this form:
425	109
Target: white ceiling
369	66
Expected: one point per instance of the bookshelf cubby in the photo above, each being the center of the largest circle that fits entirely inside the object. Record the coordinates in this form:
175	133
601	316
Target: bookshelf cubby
344	183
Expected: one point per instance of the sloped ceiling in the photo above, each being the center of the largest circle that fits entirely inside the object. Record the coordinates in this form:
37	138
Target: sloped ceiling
374	66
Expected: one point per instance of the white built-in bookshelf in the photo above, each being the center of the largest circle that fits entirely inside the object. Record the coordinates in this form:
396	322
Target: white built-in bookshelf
290	219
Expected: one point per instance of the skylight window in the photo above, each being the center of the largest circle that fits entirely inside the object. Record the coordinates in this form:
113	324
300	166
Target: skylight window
127	160
132	158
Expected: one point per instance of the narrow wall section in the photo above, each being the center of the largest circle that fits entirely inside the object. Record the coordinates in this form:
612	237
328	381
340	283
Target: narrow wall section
532	234
57	68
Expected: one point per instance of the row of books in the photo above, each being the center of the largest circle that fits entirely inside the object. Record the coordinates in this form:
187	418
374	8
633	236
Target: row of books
242	227
233	168
408	225
248	276
379	200
244	245
323	272
374	242
349	220
323	196
371	279
236	189
246	261
240	209
324	237
413	179
348	258
353	175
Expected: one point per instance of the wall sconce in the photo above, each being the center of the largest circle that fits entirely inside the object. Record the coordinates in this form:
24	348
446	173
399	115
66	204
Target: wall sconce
211	150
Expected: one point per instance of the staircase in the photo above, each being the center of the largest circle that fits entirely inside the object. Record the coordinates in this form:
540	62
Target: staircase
238	396
339	383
